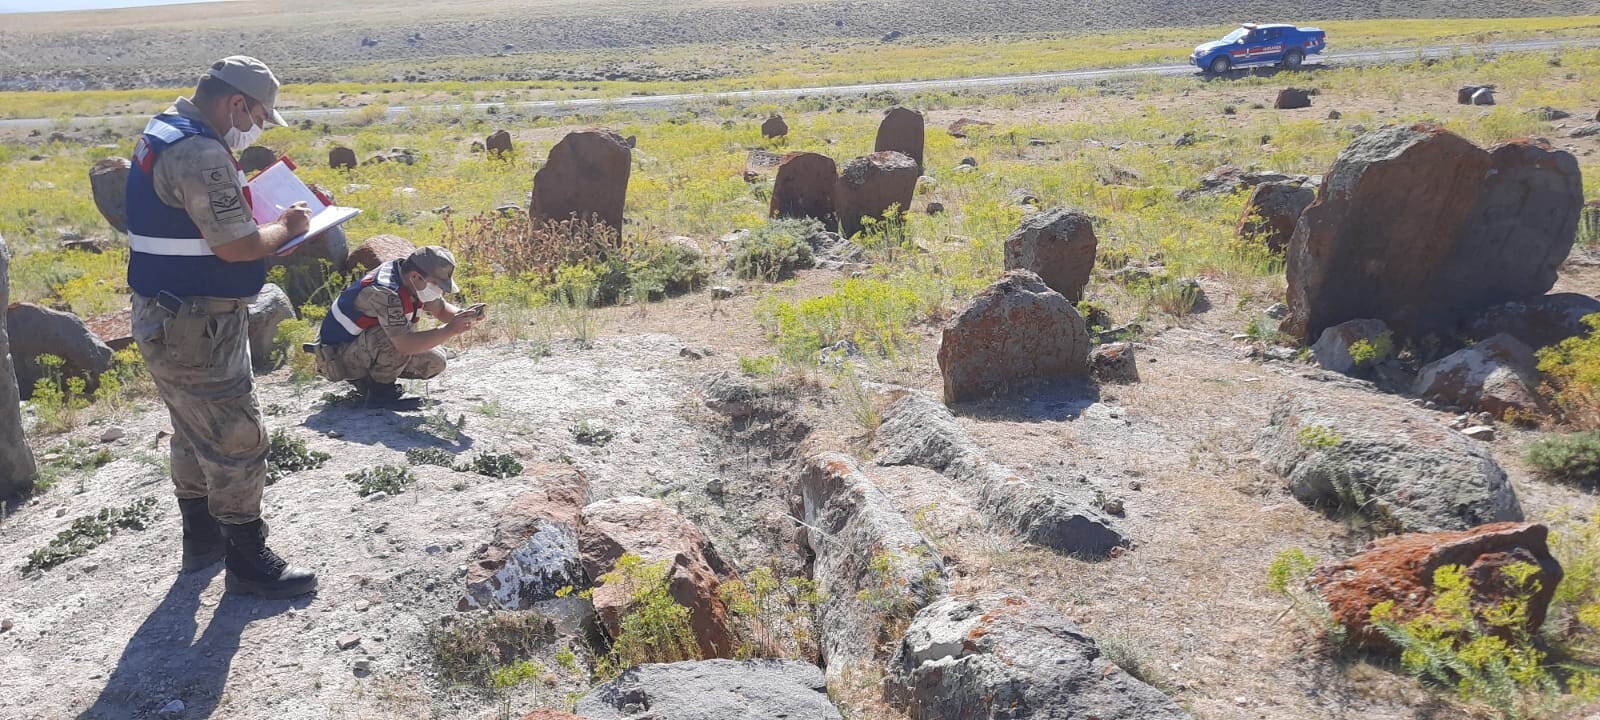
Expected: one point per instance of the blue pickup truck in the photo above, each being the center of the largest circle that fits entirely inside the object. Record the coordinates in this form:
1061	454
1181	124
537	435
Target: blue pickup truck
1253	44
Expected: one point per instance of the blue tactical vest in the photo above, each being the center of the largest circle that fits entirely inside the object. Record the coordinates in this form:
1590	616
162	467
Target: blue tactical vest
344	322
167	251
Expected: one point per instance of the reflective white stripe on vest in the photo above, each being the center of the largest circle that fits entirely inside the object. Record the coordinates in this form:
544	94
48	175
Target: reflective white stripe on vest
160	129
344	320
180	247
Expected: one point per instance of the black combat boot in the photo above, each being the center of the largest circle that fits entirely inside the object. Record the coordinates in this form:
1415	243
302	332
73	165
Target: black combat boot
389	396
254	569
202	535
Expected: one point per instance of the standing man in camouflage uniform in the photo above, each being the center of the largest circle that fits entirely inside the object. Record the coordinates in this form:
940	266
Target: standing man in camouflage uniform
351	346
197	260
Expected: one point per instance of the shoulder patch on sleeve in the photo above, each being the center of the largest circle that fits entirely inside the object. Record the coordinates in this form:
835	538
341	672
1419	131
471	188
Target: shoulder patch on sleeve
226	203
394	313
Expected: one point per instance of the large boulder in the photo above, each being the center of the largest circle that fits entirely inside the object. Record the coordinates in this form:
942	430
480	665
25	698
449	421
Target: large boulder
1058	246
1005	655
713	690
1292	99
901	131
498	143
870	563
1538	322
1420	228
18	469
1016	331
774	128
1334	349
271	307
377	251
533	562
1397	466
108	180
1401	570
656	534
869	186
341	158
585	177
36	331
1497	376
804	188
1272	212
256	158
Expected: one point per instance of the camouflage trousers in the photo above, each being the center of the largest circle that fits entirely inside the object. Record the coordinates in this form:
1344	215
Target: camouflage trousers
371	356
200	361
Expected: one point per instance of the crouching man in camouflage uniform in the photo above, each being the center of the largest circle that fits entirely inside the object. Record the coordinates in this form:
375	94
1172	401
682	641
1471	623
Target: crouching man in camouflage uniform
369	335
196	262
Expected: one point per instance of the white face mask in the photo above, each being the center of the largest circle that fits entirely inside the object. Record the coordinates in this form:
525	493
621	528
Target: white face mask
238	141
430	293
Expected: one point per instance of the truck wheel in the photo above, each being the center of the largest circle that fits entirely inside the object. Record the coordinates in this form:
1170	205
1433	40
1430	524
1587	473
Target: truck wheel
1221	65
1293	59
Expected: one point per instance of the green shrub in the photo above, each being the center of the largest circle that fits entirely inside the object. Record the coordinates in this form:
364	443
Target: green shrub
1287	576
88	532
758	366
431	456
57	399
388	479
292	334
1571	458
591	433
876	315
1375	351
287	454
1572	372
495	465
489	650
1318	437
772	617
773	252
654	628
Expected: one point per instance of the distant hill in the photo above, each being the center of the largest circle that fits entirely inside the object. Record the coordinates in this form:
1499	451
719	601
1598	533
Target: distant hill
153	43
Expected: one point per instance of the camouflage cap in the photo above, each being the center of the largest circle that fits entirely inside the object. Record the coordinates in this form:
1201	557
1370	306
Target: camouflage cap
437	263
253	78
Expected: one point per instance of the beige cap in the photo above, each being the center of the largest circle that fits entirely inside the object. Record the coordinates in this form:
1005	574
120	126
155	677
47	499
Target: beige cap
251	77
437	263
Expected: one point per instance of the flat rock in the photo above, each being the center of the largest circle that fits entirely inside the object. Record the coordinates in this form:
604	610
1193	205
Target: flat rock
1496	376
1538	322
713	690
36	331
533	562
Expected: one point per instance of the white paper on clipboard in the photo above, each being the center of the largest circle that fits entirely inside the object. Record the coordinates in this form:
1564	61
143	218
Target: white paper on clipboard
277	187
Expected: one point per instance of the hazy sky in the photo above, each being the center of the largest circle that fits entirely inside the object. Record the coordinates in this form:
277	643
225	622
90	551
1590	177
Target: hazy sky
47	5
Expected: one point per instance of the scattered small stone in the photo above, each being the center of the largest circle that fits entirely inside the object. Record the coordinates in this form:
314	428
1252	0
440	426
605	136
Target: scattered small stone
935	208
362	605
1278	311
1480	432
349	641
695	353
720	292
61	512
171	709
6	625
363	666
1113	506
113	434
335	434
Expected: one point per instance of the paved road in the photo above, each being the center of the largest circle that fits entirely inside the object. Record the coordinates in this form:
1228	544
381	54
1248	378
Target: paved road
658	102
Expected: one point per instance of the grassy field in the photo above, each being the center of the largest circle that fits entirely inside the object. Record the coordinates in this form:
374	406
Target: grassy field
841	62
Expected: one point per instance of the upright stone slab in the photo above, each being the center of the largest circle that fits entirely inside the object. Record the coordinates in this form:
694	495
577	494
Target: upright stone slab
271	308
256	158
774	128
585	177
341	158
870	185
108	180
499	143
36	331
1419	228
1016	331
379	250
18	469
1272	212
804	188
1058	246
901	131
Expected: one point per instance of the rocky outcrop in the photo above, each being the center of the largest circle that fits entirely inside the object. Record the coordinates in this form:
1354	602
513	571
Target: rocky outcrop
1005	655
1396	466
1114	363
18	469
271	308
498	143
1227	180
901	131
870	562
1016	331
1401	570
919	431
869	186
341	158
108	181
533	562
1538	322
1058	246
656	534
1496	376
256	158
379	250
1272	212
1292	99
774	128
1333	349
1420	228
585	177
36	331
713	690
804	188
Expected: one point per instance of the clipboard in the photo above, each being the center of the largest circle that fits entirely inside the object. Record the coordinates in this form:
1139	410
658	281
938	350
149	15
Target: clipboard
276	188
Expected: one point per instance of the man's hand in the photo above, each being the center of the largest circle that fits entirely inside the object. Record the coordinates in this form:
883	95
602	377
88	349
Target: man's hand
462	323
296	219
476	312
